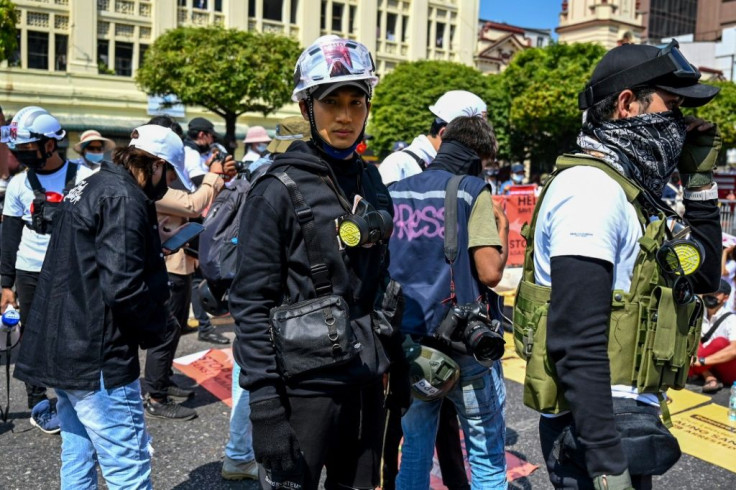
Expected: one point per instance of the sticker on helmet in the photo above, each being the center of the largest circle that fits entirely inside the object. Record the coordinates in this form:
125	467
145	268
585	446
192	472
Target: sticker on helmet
423	386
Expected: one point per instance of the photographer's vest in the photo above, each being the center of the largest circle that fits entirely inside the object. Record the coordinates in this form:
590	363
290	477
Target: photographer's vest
651	338
416	247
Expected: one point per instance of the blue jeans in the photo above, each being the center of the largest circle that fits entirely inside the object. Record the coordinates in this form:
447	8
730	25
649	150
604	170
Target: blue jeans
479	397
240	445
107	424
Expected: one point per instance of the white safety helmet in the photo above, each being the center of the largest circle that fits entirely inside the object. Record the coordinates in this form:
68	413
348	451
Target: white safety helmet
333	60
458	103
31	124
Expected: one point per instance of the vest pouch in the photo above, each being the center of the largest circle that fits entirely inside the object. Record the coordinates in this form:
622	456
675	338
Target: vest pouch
624	335
312	334
670	342
542	391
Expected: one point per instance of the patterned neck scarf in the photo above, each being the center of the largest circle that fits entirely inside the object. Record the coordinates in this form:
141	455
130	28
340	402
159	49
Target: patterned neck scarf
645	148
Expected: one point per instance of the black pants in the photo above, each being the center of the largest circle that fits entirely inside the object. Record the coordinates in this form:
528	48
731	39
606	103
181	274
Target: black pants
160	359
648	445
342	433
25	287
447	443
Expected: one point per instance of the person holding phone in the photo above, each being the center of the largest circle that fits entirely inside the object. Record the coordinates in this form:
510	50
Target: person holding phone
100	296
174	210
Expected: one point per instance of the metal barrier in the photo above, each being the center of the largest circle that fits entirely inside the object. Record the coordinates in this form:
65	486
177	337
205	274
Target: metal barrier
728	215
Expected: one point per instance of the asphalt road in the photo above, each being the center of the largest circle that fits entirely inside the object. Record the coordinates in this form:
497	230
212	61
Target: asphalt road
188	455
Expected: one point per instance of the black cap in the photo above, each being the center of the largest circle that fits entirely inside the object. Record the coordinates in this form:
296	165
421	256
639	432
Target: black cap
724	287
202	124
632	65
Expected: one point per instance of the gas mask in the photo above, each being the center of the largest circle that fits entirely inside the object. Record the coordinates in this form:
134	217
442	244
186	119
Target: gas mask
366	226
711	301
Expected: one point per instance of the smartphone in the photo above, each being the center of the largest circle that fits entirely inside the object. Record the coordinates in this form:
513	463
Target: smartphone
187	233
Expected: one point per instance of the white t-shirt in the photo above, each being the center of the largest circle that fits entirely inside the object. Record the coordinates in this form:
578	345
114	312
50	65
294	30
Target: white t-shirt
194	164
400	165
586	213
726	330
18	199
731	278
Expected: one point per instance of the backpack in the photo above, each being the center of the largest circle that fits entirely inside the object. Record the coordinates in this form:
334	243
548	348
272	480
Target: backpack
218	243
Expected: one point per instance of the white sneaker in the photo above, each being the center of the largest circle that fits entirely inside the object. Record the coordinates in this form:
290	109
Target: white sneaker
239	470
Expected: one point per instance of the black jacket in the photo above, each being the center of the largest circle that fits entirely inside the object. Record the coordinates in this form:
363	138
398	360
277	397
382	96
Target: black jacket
273	268
102	288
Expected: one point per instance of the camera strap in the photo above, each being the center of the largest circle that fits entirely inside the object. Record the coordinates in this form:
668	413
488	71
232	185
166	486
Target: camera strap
317	266
451	191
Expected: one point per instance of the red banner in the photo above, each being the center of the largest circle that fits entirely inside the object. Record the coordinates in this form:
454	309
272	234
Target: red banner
519	209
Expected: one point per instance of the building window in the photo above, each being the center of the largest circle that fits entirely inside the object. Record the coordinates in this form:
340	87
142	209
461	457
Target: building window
200	4
38	50
123	59
391	27
404	28
540	42
103	56
14	59
142	48
294	11
272	9
218	5
61	41
351	21
323	16
337	10
439	39
251	8
182	3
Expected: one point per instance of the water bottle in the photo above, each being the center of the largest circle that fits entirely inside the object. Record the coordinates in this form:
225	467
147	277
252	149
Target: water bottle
732	404
10	319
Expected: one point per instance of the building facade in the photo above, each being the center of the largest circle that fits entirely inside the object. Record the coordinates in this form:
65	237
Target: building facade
713	17
667	18
499	42
78	58
606	22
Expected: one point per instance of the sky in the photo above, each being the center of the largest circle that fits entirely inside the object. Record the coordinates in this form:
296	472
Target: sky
541	14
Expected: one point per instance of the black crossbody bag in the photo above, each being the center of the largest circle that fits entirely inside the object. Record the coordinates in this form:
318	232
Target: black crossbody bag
315	333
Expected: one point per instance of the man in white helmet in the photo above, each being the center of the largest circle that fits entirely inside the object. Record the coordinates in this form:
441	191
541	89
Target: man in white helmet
30	203
423	150
303	295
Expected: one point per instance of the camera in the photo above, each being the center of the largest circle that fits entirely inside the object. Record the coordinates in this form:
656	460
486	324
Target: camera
219	151
468	329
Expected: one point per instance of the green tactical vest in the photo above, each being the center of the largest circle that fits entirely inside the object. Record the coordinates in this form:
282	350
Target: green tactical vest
651	339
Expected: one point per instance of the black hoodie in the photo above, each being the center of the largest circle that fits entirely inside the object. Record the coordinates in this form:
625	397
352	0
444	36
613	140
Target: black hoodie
273	267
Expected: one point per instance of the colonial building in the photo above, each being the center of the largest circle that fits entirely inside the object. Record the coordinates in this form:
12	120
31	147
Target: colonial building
78	58
499	42
607	22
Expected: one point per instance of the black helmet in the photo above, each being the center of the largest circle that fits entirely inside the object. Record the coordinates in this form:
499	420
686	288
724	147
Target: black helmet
214	300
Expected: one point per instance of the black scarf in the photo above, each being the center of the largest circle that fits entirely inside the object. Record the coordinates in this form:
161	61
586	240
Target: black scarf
645	148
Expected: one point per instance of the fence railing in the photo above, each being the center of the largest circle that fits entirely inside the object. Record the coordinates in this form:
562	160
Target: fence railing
728	215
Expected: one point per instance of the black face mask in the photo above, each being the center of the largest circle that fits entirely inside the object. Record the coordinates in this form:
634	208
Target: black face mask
156	192
30	159
711	301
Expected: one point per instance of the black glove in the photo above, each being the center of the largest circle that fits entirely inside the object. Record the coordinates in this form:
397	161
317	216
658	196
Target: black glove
398	397
274	441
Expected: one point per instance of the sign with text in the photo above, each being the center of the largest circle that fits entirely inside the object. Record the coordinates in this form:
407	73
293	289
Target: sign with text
519	209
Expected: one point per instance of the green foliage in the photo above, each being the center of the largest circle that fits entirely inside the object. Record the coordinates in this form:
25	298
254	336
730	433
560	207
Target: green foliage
225	70
543	84
722	111
8	20
400	104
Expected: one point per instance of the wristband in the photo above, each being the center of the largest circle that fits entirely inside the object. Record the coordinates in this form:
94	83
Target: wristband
701	360
704	195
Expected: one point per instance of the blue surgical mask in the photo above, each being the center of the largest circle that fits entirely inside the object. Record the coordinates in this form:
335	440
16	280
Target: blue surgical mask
94	157
518	178
261	148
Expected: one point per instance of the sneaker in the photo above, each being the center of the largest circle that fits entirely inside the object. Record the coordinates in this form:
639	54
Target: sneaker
168	410
239	470
176	392
213	337
44	417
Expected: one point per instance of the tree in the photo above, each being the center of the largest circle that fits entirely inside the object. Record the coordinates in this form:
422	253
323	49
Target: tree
8	33
227	71
543	85
401	103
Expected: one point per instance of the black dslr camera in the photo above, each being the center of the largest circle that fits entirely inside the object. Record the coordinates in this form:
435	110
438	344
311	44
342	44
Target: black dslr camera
219	151
468	329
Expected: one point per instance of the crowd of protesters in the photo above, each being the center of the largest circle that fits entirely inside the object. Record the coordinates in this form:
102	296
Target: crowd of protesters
343	345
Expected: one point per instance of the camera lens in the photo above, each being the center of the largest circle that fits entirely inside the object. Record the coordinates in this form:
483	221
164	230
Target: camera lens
485	344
